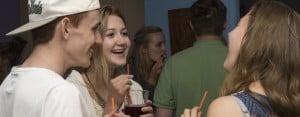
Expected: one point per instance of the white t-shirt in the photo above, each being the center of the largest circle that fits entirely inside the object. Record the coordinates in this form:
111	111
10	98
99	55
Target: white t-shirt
39	92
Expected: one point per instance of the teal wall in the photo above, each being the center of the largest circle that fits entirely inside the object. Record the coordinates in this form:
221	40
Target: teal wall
10	18
156	13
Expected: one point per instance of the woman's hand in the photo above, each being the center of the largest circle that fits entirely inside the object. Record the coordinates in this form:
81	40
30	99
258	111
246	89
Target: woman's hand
115	115
117	88
148	109
155	71
191	113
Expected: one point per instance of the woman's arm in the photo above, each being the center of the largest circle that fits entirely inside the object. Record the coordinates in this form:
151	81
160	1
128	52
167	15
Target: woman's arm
224	106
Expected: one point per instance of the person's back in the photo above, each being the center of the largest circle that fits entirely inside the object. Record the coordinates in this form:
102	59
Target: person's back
63	35
189	73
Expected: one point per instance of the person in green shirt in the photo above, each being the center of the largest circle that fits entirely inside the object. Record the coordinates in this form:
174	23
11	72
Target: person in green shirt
189	73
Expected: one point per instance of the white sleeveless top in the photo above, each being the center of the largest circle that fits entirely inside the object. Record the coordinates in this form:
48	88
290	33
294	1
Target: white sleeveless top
94	108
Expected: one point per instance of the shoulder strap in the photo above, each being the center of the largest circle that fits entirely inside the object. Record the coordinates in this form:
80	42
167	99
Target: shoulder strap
242	106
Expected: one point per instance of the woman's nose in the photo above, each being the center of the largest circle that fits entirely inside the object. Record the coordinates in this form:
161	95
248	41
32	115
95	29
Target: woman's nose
121	40
164	49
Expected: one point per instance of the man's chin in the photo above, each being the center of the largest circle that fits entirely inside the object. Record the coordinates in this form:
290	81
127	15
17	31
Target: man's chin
85	64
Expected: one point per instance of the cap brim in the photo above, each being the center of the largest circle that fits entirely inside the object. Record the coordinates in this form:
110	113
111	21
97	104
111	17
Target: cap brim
30	26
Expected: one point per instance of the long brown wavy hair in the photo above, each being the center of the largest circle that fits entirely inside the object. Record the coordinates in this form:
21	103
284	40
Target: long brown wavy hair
141	61
270	54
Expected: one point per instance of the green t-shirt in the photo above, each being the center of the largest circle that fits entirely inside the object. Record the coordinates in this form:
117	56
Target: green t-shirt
187	74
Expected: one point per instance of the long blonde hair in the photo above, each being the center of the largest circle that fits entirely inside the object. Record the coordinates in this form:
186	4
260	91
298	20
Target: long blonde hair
100	69
270	54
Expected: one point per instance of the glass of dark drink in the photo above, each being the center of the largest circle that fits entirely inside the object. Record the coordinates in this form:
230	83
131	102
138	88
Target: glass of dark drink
135	102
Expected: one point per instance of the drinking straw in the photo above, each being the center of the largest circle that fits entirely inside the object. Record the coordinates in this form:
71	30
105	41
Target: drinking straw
202	100
113	104
127	68
128	94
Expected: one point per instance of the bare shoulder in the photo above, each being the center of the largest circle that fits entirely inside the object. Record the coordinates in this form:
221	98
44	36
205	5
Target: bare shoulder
224	106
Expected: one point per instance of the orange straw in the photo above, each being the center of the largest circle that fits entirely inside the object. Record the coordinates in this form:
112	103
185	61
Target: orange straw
128	94
202	100
128	70
113	104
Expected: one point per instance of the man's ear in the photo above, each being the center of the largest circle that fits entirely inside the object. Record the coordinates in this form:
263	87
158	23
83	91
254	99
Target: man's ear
225	25
190	24
65	27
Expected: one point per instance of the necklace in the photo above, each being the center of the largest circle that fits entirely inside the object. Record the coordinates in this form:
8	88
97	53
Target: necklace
98	109
101	101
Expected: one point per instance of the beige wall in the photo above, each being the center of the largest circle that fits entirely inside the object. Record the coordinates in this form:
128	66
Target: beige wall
133	11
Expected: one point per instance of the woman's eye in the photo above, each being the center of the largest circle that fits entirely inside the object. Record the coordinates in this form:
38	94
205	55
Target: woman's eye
110	34
96	28
158	44
125	34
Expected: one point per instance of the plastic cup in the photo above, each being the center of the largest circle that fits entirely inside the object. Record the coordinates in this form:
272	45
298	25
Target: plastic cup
138	98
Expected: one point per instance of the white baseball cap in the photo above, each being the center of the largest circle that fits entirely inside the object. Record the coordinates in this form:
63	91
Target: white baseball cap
42	12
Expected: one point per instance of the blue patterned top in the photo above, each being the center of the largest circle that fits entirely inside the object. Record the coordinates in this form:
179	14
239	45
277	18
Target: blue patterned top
250	106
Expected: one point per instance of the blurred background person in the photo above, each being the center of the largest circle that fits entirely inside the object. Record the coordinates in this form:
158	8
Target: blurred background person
148	56
10	55
187	74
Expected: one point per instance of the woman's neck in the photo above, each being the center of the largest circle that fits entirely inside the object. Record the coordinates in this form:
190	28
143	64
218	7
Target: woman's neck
257	88
97	88
208	37
111	72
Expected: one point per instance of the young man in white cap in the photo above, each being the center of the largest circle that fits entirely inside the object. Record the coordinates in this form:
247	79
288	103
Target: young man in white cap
64	32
